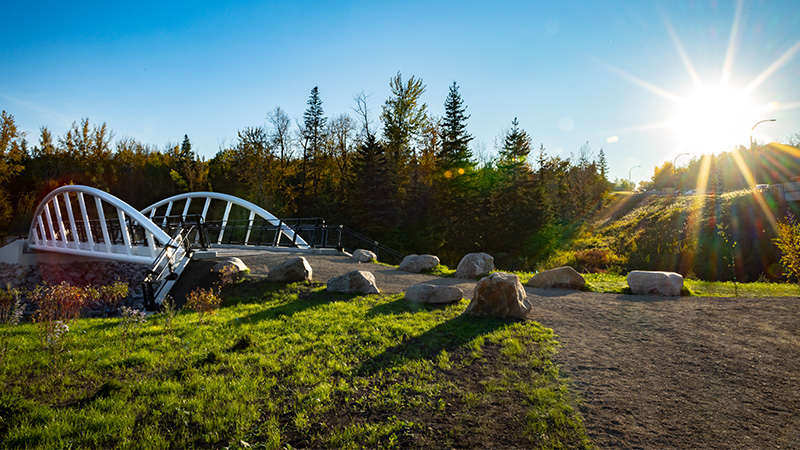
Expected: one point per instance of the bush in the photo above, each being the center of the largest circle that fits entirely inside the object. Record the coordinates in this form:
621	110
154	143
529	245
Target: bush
788	241
204	301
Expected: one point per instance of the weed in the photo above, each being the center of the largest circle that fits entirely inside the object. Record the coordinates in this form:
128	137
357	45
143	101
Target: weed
58	305
132	321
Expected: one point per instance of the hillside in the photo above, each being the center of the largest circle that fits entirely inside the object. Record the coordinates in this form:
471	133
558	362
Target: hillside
713	237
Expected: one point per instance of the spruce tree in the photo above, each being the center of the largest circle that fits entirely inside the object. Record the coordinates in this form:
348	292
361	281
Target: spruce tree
516	146
313	141
455	139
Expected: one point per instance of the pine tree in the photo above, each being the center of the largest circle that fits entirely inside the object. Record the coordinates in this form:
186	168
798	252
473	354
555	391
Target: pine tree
314	121
455	139
516	146
602	164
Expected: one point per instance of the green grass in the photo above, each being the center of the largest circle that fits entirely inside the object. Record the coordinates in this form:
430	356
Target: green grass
294	366
599	282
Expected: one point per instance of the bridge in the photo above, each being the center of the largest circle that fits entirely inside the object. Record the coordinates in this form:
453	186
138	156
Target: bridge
85	221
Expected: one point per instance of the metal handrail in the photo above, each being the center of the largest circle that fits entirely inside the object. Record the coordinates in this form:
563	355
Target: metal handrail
171	255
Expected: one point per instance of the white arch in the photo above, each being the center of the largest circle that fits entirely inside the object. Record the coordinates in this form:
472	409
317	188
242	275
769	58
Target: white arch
252	209
56	225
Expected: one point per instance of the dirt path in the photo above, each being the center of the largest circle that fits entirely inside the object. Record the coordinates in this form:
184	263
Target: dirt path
656	372
688	372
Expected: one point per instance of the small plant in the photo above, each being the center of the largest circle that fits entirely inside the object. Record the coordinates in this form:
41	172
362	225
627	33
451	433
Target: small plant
732	263
58	305
11	307
204	301
168	313
132	321
107	297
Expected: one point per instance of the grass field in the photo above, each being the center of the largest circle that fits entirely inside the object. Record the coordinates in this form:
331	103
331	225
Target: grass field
287	367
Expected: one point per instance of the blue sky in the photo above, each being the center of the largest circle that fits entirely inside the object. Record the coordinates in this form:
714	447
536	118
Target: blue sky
613	73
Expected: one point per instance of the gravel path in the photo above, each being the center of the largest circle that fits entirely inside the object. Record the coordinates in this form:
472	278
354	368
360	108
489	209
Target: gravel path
654	372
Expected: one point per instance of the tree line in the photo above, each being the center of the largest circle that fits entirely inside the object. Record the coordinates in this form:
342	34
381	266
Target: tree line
403	176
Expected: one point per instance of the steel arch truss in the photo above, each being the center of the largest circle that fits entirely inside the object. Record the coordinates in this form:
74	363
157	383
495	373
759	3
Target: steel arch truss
85	221
227	219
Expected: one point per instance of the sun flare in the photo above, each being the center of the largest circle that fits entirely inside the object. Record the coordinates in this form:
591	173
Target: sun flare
714	119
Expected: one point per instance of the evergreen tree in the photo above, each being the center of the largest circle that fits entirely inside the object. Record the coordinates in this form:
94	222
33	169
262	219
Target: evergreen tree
313	133
516	146
602	164
455	139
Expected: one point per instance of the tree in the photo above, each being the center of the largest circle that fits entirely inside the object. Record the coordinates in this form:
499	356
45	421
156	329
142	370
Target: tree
191	173
313	135
516	146
280	137
455	139
602	164
403	116
12	154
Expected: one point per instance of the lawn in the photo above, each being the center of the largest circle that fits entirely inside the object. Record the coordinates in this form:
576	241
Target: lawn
286	367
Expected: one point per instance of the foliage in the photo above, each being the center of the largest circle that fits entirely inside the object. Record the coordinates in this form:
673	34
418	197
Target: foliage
58	305
788	241
107	297
11	307
204	301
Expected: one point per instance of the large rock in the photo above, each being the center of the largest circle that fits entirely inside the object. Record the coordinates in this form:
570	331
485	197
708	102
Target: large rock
563	278
418	263
290	271
362	255
229	265
499	295
431	293
662	283
474	265
355	282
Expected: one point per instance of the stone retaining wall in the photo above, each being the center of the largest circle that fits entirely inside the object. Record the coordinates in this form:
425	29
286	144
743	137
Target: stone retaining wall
92	273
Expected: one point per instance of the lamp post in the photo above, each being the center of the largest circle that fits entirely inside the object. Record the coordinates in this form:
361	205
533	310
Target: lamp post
753	150
675	170
629	177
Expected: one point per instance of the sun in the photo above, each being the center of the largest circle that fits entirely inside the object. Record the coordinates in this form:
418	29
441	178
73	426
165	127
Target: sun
713	119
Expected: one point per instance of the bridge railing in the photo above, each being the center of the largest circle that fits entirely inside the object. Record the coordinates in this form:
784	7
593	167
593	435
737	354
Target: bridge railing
167	267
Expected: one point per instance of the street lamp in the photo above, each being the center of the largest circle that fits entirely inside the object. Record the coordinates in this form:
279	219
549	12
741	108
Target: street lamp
629	177
752	149
675	171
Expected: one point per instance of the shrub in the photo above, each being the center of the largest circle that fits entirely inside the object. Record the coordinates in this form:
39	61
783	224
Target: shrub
204	301
11	306
58	305
788	241
107	297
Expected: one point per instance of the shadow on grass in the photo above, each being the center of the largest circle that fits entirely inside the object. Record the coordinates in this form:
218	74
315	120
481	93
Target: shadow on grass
447	336
401	305
300	296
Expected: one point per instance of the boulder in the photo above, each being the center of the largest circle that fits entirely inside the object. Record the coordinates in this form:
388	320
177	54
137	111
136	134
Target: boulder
499	295
229	265
474	265
563	278
662	283
362	255
431	293
355	282
418	263
291	270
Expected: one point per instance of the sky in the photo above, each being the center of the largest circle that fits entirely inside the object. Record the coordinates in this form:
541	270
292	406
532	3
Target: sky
645	81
